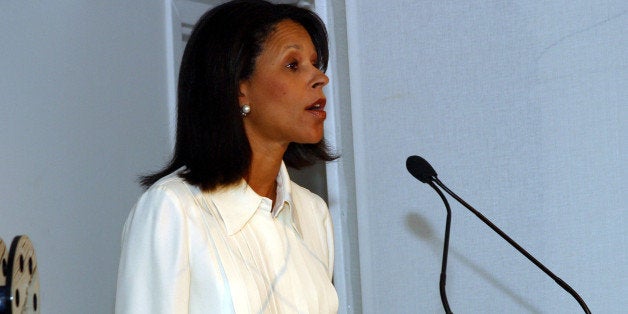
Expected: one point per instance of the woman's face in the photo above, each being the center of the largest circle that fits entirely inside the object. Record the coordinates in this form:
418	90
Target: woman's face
285	90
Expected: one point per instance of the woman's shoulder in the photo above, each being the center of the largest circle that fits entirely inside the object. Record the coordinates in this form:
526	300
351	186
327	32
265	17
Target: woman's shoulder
173	183
314	222
171	188
305	199
171	199
304	193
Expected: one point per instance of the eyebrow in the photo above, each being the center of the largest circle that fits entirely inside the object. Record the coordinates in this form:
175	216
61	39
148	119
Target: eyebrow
295	46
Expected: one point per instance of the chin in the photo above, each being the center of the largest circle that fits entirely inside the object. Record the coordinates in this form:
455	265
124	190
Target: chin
311	140
317	139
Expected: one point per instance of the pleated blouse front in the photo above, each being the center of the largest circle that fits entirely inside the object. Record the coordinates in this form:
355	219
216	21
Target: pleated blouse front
227	251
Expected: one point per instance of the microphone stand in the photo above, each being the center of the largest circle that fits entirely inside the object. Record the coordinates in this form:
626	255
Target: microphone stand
443	272
559	281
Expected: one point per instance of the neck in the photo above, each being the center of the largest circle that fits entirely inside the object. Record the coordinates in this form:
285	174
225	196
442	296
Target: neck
265	165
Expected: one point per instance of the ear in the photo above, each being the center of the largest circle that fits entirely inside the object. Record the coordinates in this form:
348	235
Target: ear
243	98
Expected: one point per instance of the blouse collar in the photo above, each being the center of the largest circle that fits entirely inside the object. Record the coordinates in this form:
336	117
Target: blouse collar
237	204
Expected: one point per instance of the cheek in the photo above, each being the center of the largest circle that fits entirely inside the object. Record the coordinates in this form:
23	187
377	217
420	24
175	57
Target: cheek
278	89
274	90
277	93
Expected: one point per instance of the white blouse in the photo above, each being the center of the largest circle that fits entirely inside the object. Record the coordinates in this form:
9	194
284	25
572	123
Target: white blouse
226	251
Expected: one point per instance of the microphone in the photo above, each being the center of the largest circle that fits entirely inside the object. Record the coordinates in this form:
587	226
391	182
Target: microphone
420	169
423	171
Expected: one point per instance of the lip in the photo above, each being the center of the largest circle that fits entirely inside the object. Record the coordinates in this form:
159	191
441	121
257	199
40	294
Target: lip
317	108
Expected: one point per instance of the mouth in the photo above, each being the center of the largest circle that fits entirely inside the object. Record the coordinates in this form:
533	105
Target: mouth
318	105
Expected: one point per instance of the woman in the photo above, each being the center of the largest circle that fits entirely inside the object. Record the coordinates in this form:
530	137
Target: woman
222	229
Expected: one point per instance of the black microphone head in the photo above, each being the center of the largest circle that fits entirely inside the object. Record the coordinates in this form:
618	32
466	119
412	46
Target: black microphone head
420	169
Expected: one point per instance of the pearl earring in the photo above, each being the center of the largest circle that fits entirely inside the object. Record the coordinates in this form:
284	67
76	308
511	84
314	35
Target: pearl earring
245	110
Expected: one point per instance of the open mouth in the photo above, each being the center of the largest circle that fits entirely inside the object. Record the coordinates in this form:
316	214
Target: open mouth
315	107
319	105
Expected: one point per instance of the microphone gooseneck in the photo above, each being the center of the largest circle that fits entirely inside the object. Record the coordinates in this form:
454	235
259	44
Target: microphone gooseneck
422	170
443	271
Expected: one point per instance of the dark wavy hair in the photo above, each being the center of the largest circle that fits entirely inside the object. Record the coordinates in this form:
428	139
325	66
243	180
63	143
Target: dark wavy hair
221	52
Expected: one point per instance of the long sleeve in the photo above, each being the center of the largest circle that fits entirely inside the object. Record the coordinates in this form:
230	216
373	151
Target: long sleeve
154	271
192	252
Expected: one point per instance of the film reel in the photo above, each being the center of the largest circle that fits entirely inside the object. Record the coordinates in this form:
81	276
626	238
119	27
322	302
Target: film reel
4	272
20	291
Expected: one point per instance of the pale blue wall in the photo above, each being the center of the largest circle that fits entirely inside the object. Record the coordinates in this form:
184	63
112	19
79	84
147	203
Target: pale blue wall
83	98
521	107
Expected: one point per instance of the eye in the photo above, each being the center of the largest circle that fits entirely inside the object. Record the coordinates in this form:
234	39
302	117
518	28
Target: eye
293	66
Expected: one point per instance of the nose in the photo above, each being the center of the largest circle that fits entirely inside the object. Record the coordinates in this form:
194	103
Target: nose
320	80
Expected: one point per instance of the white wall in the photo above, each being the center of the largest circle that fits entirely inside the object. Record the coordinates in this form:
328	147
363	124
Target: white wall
341	173
521	108
83	96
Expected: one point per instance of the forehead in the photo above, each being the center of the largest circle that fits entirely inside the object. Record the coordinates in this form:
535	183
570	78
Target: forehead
288	34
